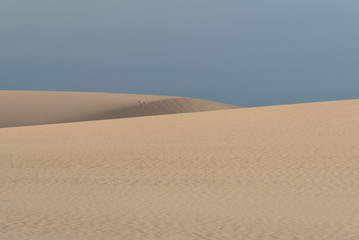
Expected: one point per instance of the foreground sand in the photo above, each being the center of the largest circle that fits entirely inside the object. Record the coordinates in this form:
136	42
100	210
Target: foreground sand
24	108
281	172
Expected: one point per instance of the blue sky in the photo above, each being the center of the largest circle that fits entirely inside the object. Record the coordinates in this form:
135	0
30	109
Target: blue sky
243	52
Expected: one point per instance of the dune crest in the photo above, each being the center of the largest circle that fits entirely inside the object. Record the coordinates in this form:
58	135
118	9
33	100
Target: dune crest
24	108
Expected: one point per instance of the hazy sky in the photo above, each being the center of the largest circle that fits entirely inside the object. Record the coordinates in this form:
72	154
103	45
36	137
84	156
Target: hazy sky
244	52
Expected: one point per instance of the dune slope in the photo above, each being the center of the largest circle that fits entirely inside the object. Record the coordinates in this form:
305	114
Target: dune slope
281	172
23	108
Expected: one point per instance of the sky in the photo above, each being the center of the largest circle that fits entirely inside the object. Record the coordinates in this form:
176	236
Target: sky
243	52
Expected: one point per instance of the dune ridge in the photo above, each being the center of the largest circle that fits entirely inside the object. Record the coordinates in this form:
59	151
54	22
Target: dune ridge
24	108
267	173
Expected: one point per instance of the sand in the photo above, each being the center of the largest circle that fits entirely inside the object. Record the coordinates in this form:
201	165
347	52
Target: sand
281	172
24	108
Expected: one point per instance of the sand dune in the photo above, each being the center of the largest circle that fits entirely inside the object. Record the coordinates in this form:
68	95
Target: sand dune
282	172
23	108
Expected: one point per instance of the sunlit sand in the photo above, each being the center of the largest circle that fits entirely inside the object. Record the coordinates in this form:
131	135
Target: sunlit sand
279	172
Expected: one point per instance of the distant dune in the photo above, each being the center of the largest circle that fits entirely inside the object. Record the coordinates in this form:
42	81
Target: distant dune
282	172
23	108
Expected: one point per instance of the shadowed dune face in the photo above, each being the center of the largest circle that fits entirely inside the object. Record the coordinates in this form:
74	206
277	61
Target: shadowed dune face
282	172
23	108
